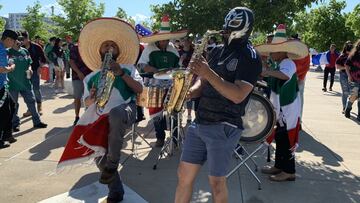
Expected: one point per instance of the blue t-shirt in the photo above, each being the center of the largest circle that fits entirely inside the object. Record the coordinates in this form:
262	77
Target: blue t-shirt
3	63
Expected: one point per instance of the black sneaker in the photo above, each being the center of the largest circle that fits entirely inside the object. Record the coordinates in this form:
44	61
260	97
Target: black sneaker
107	175
3	145
330	89
40	125
324	89
16	129
347	113
76	120
11	139
116	199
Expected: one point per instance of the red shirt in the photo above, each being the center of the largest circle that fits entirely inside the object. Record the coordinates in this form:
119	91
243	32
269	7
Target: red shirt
302	67
332	60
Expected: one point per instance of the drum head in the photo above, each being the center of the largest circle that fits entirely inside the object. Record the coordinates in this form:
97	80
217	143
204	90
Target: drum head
167	74
259	119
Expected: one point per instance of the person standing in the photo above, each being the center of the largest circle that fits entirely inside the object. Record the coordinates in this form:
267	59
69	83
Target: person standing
49	58
79	72
185	57
331	57
226	81
19	82
160	54
7	106
340	65
58	60
38	59
352	65
283	81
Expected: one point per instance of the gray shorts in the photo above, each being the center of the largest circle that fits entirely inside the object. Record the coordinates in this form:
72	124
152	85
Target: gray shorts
78	87
214	143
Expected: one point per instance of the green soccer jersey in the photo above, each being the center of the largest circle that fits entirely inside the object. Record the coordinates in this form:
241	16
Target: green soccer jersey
22	61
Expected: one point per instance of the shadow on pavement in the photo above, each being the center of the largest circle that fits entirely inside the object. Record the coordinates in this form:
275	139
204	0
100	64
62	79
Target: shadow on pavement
63	109
58	139
308	143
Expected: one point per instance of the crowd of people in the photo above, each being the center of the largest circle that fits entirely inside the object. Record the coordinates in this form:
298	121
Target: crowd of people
225	77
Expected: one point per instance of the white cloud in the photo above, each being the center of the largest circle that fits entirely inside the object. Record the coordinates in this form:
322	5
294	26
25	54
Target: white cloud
140	18
57	9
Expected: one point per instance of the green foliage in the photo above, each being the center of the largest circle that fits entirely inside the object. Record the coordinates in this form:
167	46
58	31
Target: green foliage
201	15
258	38
121	13
77	14
353	20
34	21
2	22
324	25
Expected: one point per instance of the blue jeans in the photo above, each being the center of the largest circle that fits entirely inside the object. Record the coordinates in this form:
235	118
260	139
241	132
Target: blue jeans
29	99
35	81
345	87
355	93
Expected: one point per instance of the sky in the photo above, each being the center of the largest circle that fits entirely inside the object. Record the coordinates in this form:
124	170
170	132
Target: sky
138	9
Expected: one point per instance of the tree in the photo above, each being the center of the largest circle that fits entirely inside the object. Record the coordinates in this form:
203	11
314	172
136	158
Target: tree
121	13
77	14
200	15
34	21
353	20
324	25
2	22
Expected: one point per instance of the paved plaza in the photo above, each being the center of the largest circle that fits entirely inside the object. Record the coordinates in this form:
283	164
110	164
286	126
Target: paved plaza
328	163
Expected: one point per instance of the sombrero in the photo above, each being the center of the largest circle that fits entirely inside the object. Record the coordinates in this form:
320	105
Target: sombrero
295	49
100	30
164	33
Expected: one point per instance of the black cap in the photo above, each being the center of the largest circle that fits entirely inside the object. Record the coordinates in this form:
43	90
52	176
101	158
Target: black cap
11	34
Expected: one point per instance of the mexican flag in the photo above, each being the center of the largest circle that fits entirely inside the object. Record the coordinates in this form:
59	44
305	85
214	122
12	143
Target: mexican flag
89	138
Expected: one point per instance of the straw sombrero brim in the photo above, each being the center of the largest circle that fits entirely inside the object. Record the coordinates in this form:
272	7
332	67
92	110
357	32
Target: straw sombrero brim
294	48
164	36
100	30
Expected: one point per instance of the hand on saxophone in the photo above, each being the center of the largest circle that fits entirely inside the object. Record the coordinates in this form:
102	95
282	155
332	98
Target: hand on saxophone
200	67
92	96
115	67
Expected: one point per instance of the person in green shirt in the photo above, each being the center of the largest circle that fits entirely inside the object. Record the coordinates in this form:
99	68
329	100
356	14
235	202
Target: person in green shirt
19	82
160	54
48	48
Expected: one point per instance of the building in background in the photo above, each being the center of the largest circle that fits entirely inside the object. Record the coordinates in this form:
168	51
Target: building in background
13	22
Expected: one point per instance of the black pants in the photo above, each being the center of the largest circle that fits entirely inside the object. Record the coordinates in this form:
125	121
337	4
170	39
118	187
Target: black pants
332	76
284	159
6	113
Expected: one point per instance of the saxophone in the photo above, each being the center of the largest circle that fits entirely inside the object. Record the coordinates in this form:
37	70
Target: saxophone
182	79
105	83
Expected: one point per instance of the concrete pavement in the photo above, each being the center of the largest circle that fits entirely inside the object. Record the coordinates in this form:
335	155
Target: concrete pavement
328	163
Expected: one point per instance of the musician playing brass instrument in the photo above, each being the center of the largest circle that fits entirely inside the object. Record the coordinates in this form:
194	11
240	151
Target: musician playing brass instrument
109	47
227	79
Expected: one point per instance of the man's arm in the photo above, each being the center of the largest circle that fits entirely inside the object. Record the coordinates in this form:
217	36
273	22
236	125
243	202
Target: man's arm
276	74
76	69
133	84
41	53
149	69
195	90
236	92
7	69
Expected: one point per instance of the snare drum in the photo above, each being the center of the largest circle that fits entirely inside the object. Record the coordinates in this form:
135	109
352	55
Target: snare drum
151	97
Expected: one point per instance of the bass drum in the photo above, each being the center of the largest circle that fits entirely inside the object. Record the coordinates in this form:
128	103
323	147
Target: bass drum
259	119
